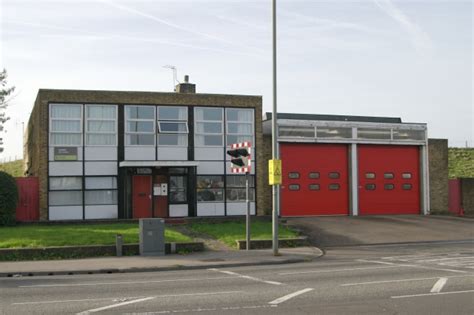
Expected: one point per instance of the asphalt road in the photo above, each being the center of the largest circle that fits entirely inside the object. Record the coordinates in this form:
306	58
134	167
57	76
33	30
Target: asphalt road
436	278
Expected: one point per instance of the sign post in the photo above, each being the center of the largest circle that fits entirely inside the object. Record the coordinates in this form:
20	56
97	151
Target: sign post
241	161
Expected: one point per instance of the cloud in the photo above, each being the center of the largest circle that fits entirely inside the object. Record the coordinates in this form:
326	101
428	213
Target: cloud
421	41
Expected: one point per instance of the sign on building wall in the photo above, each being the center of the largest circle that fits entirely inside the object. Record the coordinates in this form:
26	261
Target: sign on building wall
65	154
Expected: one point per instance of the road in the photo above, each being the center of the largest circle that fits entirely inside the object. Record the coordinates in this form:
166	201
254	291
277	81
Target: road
435	278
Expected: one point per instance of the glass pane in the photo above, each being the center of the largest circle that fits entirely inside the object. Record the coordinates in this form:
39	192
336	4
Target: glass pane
178	127
296	131
178	170
239	181
101	125
240	128
101	182
334	175
209	114
313	186
294	175
101	139
406	186
101	197
238	139
65	198
173	139
66	139
65	183
172	113
239	194
313	175
141	126
210	194
334	186
370	187
408	134
212	140
406	175
101	112
209	127
66	125
366	133
66	111
370	175
389	186
178	190
140	139
326	132
239	114
210	181
140	112
294	187
388	175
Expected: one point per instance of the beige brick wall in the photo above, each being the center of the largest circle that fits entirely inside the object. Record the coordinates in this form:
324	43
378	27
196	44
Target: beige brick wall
438	173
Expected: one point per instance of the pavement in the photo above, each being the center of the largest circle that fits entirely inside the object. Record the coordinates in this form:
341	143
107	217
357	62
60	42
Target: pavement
200	260
376	230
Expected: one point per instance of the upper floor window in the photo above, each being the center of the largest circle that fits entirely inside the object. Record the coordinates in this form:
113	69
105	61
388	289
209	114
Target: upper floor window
239	125
208	126
66	124
173	125
101	125
140	125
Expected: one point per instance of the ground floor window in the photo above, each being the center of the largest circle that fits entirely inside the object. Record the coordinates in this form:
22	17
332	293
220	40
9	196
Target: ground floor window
235	188
210	188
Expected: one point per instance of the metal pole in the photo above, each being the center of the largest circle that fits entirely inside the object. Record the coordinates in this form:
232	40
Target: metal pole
275	188
247	217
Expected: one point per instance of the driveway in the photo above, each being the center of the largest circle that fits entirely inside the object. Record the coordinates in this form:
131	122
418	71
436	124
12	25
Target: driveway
344	231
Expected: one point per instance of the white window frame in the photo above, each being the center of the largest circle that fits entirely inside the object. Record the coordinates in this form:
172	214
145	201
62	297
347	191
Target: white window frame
251	122
196	122
127	120
51	119
87	132
112	189
178	121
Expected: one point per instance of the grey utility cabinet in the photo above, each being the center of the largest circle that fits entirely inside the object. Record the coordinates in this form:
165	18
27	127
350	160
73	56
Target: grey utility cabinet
152	237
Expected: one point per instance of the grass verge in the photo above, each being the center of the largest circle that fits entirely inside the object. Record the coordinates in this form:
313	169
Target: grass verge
34	236
229	232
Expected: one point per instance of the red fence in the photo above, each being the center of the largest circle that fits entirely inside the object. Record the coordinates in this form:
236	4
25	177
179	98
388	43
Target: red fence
455	197
28	199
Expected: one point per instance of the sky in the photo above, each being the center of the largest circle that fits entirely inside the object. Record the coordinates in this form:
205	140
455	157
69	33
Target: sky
408	59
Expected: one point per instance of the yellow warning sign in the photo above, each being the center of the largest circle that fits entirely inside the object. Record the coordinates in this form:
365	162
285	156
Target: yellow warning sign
274	172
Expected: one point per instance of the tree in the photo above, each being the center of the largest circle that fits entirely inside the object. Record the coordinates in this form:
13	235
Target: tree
8	199
4	100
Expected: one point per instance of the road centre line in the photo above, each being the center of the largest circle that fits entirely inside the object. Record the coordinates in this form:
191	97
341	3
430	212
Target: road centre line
438	286
333	270
245	277
127	298
289	296
430	294
400	280
121	282
95	310
196	310
409	265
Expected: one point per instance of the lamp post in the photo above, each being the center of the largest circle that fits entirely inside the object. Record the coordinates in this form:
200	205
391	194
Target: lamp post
275	154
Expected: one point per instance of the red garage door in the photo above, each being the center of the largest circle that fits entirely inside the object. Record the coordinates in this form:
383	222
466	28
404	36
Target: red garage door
389	179
315	179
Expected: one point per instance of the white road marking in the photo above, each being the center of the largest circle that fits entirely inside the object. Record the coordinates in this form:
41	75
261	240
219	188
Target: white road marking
289	296
95	310
245	277
120	282
401	280
409	265
438	286
333	270
430	294
222	309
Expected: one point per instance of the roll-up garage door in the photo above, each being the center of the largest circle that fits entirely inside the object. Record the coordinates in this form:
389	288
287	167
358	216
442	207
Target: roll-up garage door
389	179
315	179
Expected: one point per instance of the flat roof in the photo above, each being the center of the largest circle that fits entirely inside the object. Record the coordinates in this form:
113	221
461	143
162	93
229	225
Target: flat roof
323	117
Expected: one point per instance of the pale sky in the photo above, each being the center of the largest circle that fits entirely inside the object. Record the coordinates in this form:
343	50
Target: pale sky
408	59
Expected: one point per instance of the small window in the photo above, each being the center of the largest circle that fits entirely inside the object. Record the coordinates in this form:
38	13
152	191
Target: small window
313	175
334	186
294	187
370	175
370	187
388	176
406	186
389	186
406	175
334	175
313	186
294	175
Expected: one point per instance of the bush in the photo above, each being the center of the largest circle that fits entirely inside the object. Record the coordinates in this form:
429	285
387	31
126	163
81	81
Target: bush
8	199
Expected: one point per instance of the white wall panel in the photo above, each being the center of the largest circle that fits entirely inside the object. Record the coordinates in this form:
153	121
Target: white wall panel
172	153
65	168
139	153
101	212
100	153
239	208
51	153
178	210
210	168
65	213
210	209
210	153
101	168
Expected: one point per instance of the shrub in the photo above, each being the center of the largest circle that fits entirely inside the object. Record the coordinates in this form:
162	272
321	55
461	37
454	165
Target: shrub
8	199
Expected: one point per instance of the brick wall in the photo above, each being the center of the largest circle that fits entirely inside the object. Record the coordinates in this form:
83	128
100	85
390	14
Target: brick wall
438	173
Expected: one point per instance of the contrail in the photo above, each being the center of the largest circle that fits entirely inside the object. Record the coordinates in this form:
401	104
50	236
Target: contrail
419	38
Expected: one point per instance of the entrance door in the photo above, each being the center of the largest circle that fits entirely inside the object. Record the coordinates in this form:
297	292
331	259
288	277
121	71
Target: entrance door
141	196
160	196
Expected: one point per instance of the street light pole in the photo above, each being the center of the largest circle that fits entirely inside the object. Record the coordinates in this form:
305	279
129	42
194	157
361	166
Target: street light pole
275	155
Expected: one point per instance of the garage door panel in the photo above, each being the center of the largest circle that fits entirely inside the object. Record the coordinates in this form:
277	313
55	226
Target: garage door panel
389	181
315	180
